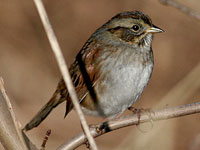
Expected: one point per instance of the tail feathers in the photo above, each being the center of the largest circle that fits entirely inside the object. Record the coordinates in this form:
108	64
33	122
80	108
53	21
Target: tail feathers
69	106
44	112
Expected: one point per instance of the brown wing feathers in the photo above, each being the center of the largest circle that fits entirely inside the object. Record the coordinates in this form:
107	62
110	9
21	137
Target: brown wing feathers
61	93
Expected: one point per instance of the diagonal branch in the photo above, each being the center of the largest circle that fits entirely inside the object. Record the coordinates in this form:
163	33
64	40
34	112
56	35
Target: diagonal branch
9	132
63	68
145	116
10	135
182	8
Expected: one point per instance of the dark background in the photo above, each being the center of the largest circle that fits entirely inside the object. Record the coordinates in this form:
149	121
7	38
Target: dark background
30	71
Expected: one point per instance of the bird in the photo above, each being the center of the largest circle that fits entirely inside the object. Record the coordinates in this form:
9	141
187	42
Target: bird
111	70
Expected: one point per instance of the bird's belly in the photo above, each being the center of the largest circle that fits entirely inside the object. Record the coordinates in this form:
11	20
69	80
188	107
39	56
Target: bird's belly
119	89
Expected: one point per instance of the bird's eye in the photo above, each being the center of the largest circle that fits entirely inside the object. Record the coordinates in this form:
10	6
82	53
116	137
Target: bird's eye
136	27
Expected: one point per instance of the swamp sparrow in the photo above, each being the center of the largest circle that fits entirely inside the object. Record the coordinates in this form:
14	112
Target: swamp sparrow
111	70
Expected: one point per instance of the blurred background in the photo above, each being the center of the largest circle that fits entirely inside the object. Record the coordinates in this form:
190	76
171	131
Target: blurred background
31	74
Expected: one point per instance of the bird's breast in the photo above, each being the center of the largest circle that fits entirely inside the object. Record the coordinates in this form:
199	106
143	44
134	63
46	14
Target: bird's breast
121	82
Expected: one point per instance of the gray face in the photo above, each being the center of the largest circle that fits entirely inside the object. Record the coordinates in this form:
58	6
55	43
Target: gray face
129	30
134	28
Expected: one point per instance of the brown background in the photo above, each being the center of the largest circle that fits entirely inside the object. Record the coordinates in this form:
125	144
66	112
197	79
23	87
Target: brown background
30	71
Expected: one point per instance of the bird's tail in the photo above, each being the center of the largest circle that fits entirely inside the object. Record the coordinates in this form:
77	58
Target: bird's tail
46	109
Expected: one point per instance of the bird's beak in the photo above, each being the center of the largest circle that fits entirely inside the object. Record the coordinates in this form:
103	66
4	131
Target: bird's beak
154	29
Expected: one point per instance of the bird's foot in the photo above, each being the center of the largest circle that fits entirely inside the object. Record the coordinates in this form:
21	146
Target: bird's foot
137	112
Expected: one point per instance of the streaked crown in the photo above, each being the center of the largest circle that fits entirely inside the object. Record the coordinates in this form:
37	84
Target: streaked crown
131	26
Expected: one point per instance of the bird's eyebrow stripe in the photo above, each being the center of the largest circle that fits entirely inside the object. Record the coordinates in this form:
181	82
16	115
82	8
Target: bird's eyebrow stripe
112	30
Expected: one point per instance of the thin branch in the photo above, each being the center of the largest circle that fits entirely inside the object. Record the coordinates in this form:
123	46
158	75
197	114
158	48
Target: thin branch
48	133
10	133
145	116
63	67
182	8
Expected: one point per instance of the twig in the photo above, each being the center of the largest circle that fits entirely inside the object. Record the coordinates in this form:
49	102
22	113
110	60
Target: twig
63	67
152	115
182	8
48	133
10	136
